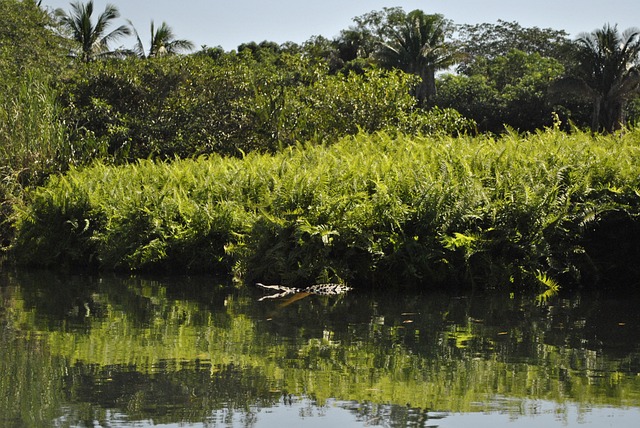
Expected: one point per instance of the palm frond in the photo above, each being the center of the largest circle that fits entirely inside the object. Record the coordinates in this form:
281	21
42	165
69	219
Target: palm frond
93	39
163	42
138	48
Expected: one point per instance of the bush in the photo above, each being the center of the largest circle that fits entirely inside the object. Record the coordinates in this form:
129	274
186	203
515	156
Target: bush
188	106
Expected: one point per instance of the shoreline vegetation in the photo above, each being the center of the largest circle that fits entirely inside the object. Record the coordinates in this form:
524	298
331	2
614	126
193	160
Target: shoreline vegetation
547	208
393	155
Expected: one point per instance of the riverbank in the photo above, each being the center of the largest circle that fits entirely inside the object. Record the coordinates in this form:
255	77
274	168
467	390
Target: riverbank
546	209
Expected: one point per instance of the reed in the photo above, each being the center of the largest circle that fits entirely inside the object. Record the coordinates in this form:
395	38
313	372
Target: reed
32	139
371	209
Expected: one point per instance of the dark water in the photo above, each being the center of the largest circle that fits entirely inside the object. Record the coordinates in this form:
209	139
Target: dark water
192	352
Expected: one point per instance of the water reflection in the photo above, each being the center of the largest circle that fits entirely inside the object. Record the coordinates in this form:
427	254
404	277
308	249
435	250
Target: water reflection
82	351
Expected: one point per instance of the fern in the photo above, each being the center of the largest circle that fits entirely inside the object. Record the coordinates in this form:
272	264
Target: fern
551	287
363	209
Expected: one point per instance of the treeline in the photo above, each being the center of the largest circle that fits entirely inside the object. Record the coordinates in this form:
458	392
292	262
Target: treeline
126	104
411	72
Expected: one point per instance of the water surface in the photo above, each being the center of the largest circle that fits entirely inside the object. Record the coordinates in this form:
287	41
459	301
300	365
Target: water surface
125	352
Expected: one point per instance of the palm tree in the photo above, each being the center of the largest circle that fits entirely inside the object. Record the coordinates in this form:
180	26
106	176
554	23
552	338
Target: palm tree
163	42
93	39
607	73
417	45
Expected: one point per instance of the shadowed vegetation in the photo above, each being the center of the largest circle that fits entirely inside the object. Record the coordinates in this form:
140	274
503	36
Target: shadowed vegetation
607	74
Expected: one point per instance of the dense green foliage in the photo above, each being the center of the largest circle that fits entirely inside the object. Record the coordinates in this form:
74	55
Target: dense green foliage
55	113
486	41
414	42
27	39
371	209
32	141
607	74
186	106
506	90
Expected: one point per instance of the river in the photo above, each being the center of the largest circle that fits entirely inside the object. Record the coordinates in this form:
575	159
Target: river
109	351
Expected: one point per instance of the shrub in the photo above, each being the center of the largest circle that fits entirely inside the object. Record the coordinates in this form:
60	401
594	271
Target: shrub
188	106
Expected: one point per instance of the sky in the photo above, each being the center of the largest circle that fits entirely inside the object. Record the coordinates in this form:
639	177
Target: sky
231	23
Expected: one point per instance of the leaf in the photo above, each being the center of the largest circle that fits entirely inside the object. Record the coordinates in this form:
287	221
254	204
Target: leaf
552	287
459	240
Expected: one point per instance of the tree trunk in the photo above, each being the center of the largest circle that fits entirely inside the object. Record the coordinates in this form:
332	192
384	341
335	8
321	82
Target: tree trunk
595	115
610	115
426	90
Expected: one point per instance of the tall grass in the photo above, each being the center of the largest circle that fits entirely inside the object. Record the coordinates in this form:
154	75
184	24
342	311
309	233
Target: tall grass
32	139
371	209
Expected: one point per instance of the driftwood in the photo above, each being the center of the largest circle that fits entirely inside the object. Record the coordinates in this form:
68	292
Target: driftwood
318	289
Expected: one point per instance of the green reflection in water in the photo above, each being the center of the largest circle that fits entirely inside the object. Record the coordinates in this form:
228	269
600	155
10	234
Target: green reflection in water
77	350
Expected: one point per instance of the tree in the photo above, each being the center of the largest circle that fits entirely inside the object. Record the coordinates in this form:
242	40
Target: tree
413	42
505	90
162	42
27	39
353	44
343	54
489	41
607	73
93	39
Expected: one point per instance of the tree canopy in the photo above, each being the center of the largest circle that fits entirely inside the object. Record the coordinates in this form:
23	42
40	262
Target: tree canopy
418	45
607	72
489	41
162	42
503	77
93	38
415	42
27	40
504	90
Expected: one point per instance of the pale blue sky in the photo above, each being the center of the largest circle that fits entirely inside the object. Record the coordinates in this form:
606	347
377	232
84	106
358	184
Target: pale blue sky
230	23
